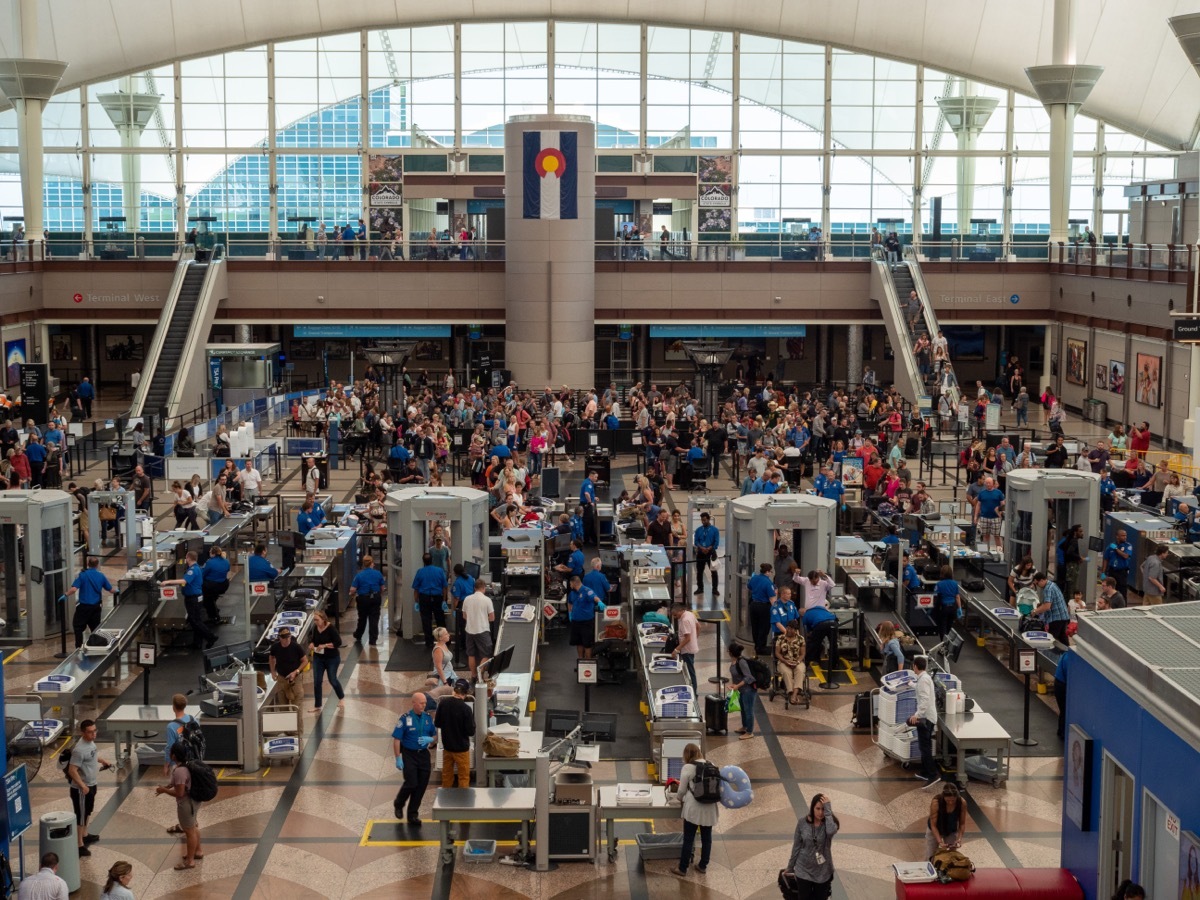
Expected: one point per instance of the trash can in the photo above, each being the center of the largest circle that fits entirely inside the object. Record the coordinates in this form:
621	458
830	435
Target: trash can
1096	412
57	834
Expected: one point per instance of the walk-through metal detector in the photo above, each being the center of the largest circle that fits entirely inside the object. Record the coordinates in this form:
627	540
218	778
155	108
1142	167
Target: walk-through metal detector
755	524
36	553
123	500
1040	504
413	514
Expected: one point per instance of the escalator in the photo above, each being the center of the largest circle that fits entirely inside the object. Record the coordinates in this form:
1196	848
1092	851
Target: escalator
173	359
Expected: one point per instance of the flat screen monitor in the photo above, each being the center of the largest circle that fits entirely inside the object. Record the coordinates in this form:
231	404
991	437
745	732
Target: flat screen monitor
948	507
610	559
561	543
472	570
599	726
499	663
561	722
1095	544
191	545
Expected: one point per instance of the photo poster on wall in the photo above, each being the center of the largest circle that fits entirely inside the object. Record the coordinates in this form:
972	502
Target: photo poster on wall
1079	778
1101	377
792	347
1116	376
1148	380
14	358
1077	362
715	169
674	351
1189	866
124	347
852	472
61	348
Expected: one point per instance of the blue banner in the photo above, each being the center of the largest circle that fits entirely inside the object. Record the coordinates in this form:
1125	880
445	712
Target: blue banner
16	793
371	331
727	331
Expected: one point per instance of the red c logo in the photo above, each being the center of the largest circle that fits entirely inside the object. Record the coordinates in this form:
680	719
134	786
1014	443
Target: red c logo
550	162
78	298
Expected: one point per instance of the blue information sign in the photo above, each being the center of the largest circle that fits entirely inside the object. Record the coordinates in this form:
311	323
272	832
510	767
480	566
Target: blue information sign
727	331
16	792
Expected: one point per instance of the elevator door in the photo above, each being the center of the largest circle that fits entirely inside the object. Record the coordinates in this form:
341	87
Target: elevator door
1116	826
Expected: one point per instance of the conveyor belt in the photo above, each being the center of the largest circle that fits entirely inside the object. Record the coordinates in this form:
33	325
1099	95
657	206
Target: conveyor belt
653	682
523	638
1006	627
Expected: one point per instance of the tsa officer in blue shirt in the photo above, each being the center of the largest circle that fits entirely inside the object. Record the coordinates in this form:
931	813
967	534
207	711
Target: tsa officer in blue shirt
462	588
216	582
308	518
91	584
762	592
193	590
587	499
367	587
574	564
912	580
412	739
583	604
1118	556
596	581
783	611
705	542
429	590
820	624
260	567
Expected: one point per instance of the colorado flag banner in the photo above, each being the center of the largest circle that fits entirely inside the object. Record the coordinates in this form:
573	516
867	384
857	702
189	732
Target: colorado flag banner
551	175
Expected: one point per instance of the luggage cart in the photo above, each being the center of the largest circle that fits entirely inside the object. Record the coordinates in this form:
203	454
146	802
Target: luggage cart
898	742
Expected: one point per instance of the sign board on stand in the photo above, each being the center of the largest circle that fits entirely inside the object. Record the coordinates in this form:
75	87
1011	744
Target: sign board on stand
1026	660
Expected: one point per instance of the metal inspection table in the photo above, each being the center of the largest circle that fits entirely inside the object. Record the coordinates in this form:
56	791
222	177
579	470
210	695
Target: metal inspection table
525	761
608	813
482	805
122	722
975	731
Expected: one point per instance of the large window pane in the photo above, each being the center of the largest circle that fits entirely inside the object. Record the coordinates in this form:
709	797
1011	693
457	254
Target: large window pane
225	100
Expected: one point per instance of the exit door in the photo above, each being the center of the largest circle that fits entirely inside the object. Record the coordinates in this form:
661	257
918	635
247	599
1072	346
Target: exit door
1116	826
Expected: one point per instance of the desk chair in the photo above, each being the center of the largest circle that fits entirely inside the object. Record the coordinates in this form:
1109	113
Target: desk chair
699	474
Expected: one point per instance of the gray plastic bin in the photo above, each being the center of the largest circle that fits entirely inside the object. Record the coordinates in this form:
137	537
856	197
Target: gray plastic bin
660	846
57	834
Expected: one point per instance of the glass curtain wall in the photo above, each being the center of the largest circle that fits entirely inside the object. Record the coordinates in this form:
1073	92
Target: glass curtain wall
251	143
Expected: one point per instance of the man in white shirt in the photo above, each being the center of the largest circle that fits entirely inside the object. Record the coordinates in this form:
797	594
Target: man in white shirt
251	480
817	587
687	628
479	613
46	884
924	719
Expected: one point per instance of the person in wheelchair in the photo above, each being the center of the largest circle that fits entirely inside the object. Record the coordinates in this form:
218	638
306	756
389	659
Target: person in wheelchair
789	660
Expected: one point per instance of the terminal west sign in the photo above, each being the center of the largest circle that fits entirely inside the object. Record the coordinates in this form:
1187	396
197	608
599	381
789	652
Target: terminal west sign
119	299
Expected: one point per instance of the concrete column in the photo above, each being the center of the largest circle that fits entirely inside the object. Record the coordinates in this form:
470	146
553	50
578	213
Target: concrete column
1047	352
854	353
822	354
1062	87
130	112
28	83
550	281
966	116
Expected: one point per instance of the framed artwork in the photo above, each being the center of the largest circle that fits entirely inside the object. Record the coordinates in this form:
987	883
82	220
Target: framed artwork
1116	376
14	358
674	351
1101	377
124	347
1189	865
1079	778
852	472
302	350
61	347
337	350
1148	383
715	169
428	351
1077	362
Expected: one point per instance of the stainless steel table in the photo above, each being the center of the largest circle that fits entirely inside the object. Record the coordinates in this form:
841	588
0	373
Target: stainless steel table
608	813
482	805
524	761
127	718
975	731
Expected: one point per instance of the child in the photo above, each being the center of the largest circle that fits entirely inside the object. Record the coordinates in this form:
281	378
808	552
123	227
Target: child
1076	605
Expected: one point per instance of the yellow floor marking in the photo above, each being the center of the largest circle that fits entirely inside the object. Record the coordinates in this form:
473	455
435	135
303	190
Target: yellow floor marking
13	655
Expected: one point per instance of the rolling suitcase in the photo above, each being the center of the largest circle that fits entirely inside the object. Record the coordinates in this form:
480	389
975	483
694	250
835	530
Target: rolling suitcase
716	716
863	713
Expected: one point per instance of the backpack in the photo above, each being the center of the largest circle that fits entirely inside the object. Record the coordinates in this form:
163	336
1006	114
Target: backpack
64	760
1059	557
706	784
204	781
952	866
760	673
191	736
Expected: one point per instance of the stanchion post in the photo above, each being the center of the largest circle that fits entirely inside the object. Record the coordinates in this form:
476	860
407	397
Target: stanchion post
1026	663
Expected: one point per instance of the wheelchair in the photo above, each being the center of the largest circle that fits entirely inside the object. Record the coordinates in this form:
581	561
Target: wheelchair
779	687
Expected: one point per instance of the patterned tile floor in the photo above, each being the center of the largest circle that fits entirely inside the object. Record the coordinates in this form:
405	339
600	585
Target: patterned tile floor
298	832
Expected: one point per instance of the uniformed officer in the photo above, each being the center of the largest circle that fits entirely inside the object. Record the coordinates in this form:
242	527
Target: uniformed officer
412	739
429	590
582	603
462	588
91	584
216	581
308	518
260	567
368	588
597	581
762	592
193	590
587	500
706	540
574	564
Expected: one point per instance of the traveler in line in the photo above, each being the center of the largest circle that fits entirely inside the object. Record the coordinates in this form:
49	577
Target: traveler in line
697	815
812	860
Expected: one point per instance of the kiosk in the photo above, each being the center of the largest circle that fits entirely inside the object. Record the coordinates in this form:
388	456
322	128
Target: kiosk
1037	500
36	548
413	513
240	373
753	525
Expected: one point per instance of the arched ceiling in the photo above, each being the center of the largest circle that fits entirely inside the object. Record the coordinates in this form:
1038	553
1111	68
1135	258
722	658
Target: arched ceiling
1148	88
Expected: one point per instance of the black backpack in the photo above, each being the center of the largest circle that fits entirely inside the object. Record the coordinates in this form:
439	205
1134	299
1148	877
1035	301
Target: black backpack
191	736
706	785
64	760
204	781
760	673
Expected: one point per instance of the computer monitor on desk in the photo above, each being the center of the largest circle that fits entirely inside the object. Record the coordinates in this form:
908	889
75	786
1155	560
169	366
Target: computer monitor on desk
599	727
499	663
472	570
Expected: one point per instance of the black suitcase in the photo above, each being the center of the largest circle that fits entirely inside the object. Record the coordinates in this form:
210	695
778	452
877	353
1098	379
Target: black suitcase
861	717
716	716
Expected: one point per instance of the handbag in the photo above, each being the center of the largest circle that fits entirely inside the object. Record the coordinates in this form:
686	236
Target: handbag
501	746
107	514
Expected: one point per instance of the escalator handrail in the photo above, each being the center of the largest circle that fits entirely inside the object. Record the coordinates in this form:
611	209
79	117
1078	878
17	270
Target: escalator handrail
136	407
